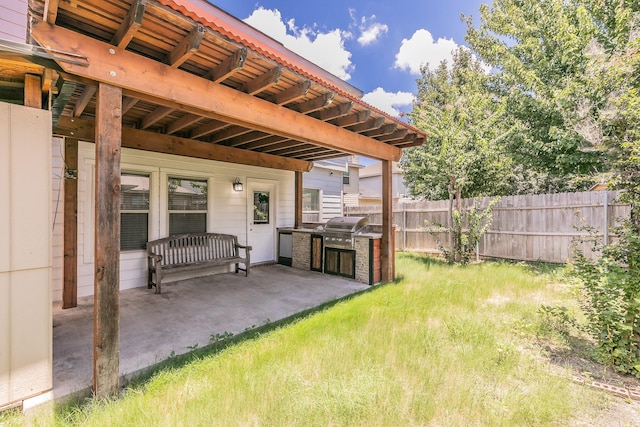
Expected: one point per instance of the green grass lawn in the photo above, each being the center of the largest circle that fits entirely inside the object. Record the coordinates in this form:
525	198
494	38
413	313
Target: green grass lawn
443	346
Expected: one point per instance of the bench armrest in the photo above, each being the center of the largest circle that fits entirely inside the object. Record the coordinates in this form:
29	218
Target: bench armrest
248	248
154	258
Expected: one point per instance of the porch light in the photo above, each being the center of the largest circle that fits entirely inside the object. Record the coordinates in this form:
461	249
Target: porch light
237	184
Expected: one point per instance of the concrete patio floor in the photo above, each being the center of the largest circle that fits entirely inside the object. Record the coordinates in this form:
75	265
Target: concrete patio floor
186	314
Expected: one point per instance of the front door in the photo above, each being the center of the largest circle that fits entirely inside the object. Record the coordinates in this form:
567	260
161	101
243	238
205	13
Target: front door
261	227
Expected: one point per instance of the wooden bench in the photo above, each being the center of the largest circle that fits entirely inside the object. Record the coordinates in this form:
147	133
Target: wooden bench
184	252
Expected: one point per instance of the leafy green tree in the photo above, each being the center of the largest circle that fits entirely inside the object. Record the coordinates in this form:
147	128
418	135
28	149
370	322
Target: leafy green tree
537	49
463	157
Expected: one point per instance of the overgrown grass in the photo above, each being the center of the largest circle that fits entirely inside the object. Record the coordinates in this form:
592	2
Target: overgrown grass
444	346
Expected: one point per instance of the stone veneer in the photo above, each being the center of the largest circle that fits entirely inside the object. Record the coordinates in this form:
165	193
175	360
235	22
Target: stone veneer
301	256
362	259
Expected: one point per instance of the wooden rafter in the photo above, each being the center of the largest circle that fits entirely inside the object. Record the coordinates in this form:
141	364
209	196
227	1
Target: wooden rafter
156	142
229	66
131	24
287	143
228	133
293	93
193	94
50	11
353	119
128	103
187	47
262	82
246	138
372	123
397	135
314	104
334	112
83	100
382	130
207	128
411	142
264	142
154	116
181	123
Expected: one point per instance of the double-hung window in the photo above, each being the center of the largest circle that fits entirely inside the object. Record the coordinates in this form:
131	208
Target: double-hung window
187	205
310	205
134	211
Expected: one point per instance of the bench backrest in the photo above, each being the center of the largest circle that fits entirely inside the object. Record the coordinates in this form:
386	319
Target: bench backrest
194	247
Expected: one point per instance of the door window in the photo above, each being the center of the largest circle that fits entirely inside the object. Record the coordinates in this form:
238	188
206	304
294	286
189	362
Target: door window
261	207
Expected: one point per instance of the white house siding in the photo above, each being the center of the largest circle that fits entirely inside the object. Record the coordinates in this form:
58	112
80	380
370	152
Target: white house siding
13	20
227	209
329	182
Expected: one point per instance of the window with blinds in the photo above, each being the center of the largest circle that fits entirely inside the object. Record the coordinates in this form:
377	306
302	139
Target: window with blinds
187	206
134	211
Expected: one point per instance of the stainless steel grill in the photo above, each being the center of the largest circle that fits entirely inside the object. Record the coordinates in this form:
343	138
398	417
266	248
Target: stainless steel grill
339	232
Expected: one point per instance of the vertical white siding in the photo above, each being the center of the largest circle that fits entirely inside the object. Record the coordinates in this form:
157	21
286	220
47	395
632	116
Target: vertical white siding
13	20
227	208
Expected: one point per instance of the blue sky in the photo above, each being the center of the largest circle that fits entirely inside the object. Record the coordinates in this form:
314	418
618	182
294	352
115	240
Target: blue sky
377	46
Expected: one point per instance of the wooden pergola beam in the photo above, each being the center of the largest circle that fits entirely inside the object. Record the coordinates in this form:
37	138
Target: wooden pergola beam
372	123
262	82
298	200
397	135
187	47
353	119
70	220
334	112
382	130
106	309
50	11
228	133
32	91
229	66
83	100
181	123
155	116
264	142
246	138
131	24
128	103
387	254
160	143
314	104
200	96
207	128
293	93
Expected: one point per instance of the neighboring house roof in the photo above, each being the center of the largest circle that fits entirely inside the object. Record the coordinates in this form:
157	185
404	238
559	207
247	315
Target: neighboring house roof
375	169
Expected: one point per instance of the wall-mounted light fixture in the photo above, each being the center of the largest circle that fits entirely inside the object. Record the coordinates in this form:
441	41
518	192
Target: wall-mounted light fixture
237	184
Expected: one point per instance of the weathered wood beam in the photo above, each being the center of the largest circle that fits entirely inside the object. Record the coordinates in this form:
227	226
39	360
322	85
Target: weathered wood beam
228	133
194	94
262	82
47	80
131	24
50	11
387	255
333	112
159	143
70	220
128	103
382	130
208	128
32	91
372	123
181	123
314	104
411	142
186	48
106	308
156	115
354	119
298	150
83	100
293	93
297	205
278	146
229	66
397	135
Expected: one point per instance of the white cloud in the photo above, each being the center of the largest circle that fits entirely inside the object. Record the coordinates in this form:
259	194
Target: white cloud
388	101
325	49
421	49
370	30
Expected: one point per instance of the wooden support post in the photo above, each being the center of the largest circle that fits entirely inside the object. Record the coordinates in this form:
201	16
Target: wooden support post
298	200
106	311
32	91
70	269
387	260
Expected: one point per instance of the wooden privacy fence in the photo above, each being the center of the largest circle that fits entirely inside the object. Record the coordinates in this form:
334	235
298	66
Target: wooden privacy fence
536	227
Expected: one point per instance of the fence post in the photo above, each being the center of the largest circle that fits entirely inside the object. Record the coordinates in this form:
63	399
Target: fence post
605	228
404	227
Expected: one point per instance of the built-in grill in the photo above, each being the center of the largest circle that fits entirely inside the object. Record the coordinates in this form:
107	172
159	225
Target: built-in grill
339	232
